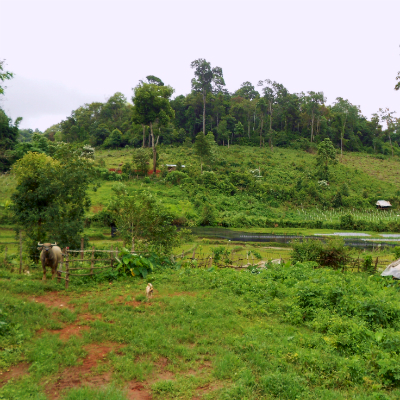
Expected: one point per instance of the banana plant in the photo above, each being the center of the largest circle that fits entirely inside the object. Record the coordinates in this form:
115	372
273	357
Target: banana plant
134	264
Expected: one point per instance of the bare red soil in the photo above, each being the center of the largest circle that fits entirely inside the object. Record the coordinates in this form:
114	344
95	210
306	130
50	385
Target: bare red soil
83	375
53	299
13	373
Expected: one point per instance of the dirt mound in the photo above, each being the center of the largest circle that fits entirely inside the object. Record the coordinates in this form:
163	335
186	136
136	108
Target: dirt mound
13	373
82	375
53	299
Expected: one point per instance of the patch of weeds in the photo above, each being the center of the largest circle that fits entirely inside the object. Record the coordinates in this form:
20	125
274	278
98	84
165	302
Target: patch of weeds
86	393
24	388
67	316
226	366
140	297
283	385
128	368
48	353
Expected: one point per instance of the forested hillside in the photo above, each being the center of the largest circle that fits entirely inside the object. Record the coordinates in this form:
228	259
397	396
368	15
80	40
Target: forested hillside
263	114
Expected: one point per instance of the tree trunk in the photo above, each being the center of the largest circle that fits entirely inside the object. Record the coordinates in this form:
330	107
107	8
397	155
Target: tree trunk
341	139
204	112
262	123
341	147
248	124
390	140
144	135
153	145
312	126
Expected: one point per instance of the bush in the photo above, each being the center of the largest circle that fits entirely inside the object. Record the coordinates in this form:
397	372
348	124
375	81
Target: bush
175	177
333	253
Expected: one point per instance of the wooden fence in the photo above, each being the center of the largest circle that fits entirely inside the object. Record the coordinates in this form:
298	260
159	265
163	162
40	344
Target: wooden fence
72	263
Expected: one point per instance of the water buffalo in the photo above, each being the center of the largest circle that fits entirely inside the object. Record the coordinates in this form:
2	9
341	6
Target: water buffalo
50	255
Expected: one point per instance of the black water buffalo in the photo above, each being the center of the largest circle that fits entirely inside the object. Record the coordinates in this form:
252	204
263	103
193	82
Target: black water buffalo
50	255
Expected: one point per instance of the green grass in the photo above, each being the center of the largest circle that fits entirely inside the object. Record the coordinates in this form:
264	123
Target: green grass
215	335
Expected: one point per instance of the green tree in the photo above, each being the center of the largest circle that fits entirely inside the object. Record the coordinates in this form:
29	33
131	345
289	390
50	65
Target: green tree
202	149
239	130
154	80
312	104
142	221
8	140
114	140
51	197
6	75
223	133
100	134
347	113
206	80
326	156
151	104
262	109
387	116
213	156
397	87
141	158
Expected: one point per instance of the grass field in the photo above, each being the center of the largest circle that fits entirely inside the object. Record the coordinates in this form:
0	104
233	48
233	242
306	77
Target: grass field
205	335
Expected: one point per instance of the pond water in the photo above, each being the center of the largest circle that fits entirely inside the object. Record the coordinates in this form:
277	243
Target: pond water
352	239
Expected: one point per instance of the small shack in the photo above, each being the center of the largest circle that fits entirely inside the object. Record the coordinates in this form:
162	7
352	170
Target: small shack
383	205
172	167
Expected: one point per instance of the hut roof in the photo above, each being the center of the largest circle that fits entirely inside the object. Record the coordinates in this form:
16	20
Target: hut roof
392	269
383	203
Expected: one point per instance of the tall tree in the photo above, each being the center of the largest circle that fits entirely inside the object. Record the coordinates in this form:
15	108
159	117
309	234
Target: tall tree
206	80
312	104
347	113
262	109
151	104
326	155
387	116
272	90
202	148
52	197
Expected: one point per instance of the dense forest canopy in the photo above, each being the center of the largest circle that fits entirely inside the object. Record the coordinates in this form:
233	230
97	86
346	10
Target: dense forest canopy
261	114
267	111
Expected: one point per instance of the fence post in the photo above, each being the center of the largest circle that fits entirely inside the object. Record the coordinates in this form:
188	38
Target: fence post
20	252
111	257
92	262
61	267
133	244
211	261
116	253
376	264
5	256
82	247
67	270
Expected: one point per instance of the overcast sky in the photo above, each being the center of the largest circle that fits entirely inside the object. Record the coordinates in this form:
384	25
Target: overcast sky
66	53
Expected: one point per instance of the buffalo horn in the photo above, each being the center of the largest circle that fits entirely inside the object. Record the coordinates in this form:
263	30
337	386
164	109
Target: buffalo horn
55	244
40	244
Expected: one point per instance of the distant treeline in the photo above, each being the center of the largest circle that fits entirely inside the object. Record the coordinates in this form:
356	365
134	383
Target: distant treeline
265	114
275	117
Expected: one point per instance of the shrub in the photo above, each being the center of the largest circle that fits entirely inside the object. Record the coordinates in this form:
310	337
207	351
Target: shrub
333	253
